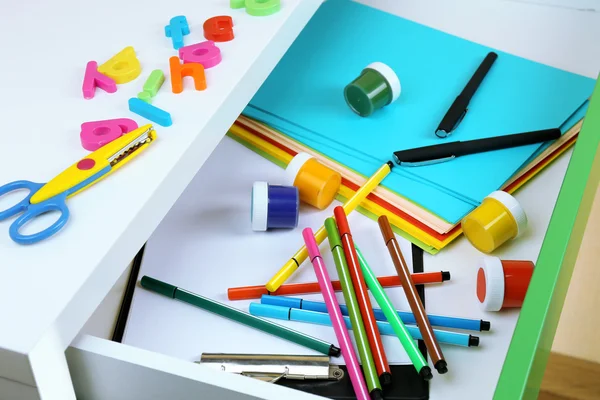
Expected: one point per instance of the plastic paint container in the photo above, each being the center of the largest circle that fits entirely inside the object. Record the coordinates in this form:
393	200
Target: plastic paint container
376	87
274	206
317	183
502	283
498	218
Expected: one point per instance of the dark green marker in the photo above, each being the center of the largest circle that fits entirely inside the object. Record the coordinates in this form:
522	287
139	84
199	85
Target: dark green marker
242	317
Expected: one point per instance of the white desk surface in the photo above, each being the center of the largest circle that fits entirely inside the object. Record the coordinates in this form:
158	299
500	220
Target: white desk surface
50	289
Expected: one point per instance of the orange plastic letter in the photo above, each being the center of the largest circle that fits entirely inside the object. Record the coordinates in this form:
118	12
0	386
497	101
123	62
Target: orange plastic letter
178	71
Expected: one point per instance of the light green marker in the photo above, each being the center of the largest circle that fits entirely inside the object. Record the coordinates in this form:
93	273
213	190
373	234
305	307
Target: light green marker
394	319
152	85
364	351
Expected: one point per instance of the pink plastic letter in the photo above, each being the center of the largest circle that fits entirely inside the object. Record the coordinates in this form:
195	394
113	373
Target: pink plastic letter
93	79
96	134
205	53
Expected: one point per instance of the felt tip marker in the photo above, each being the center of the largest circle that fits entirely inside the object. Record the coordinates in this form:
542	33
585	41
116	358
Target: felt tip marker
476	325
242	317
385	328
362	295
254	292
355	320
397	325
339	326
297	259
412	296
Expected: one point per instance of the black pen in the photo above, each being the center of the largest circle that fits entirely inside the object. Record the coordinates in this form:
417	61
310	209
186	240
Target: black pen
458	109
447	151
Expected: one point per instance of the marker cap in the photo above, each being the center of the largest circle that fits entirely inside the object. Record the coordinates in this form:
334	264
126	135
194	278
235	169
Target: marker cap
281	301
311	243
260	206
342	221
490	283
269	311
333	235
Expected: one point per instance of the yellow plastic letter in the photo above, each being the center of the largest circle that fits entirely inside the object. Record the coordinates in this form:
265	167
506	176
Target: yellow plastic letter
122	67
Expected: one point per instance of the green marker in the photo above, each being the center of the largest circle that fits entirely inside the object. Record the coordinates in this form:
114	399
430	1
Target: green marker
394	319
242	317
364	351
152	85
375	87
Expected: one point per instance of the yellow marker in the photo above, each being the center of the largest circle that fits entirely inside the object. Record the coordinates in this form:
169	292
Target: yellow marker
123	67
292	265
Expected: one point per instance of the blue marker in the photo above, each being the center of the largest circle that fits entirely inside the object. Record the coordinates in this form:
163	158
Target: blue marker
177	28
150	112
318	318
406	317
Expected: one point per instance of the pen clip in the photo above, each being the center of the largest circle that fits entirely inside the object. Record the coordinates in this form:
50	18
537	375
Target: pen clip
422	163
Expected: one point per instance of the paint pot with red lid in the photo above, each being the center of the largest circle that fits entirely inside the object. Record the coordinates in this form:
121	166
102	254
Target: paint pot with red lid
502	283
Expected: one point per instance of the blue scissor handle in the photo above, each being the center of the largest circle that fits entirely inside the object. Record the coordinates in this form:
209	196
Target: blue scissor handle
56	203
23	204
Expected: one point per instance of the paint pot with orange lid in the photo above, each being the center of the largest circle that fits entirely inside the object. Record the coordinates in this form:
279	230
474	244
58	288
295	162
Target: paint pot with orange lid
498	218
502	283
317	183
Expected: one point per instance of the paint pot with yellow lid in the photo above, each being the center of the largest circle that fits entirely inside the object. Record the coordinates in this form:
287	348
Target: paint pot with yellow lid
317	183
498	218
375	87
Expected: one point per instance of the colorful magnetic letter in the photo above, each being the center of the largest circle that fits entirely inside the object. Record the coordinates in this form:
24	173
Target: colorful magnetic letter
122	67
178	71
95	134
93	79
153	83
150	112
219	29
260	8
205	53
177	28
237	3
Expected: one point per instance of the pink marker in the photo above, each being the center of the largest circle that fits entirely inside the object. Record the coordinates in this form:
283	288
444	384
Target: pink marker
93	79
333	308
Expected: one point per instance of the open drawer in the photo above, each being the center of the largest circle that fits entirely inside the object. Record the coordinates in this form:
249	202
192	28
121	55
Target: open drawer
508	365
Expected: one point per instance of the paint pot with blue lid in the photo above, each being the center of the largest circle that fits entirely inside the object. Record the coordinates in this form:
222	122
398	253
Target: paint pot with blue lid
274	206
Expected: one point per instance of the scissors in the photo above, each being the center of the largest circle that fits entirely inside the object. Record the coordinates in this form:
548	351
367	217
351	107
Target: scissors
52	196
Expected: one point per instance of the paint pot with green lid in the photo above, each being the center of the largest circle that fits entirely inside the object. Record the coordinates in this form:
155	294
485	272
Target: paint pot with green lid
376	87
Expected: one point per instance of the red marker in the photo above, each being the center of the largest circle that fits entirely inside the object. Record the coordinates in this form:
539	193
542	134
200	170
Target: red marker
362	295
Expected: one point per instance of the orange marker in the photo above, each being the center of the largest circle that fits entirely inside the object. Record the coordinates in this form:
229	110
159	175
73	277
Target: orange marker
178	71
254	292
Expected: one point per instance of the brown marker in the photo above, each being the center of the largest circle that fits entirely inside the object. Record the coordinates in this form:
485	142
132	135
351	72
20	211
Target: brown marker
411	294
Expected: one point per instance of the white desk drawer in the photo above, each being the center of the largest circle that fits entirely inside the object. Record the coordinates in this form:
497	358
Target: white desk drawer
103	370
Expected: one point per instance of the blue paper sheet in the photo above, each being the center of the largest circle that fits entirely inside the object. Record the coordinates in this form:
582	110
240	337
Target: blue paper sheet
303	97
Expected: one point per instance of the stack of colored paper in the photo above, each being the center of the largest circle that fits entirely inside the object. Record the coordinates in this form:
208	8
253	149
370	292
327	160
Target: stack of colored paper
301	108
